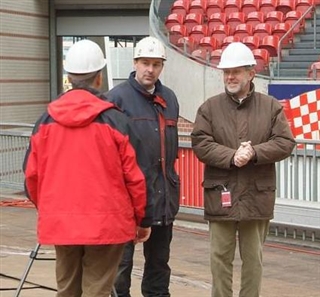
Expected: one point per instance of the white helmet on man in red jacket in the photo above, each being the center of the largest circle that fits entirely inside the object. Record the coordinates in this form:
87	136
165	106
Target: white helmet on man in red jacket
85	56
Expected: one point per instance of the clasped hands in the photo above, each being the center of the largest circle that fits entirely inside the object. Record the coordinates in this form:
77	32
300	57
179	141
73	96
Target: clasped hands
244	154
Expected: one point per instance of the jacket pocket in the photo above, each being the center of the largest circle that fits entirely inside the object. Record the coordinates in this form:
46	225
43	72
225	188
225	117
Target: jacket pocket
264	198
174	193
215	185
264	185
212	197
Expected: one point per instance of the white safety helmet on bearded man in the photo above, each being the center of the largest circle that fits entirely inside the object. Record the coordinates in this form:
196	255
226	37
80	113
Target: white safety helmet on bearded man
150	47
236	54
84	56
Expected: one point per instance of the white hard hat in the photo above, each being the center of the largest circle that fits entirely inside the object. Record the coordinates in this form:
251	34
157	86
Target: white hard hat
85	56
236	54
150	47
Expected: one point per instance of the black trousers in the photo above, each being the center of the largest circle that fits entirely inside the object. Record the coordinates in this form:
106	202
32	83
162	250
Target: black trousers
156	275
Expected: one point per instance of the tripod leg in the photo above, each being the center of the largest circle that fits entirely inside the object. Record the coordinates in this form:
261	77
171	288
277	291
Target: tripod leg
32	256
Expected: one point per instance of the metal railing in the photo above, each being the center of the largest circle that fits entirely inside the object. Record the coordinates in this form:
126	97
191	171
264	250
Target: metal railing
14	139
298	176
297	209
290	32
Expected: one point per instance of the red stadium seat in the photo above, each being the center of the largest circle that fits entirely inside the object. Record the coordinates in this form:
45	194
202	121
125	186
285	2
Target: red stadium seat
193	19
214	6
262	30
228	40
243	30
220	32
199	31
285	6
176	32
215	19
274	17
270	43
292	17
198	6
180	7
215	57
252	42
174	19
267	5
232	6
314	71
281	29
186	44
254	18
201	54
303	5
249	6
208	43
234	19
263	58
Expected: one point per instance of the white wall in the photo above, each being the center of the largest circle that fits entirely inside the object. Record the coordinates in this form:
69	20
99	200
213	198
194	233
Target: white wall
193	82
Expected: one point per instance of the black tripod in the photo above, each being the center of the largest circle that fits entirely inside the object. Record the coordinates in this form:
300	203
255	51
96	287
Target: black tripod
33	256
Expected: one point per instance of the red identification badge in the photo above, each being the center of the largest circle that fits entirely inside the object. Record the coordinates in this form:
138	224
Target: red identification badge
225	198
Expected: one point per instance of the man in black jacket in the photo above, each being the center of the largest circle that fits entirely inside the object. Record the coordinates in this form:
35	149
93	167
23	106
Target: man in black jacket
154	110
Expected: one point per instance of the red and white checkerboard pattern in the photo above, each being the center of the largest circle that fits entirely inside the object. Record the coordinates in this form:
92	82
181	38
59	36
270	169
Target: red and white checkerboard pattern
305	112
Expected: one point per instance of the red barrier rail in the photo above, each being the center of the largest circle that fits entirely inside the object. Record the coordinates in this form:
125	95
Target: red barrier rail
191	175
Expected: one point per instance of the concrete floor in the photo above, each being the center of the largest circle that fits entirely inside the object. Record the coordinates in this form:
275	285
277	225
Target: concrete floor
289	270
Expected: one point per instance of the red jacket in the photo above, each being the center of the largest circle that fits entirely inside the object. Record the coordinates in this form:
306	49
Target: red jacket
81	173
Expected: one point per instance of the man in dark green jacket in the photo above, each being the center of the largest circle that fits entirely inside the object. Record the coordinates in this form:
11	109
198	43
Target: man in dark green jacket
239	135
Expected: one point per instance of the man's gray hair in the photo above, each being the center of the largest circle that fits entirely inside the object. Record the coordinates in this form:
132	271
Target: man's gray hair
82	81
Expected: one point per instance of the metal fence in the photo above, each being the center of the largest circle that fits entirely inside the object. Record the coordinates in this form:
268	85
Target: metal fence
297	209
298	177
14	139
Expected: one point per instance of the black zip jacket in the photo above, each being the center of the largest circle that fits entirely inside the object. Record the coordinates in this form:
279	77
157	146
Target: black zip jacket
155	118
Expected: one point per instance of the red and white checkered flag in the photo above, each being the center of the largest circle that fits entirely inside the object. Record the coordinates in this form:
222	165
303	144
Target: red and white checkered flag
305	112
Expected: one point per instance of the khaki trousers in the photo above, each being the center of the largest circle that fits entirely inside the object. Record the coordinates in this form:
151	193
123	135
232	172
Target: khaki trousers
86	270
223	241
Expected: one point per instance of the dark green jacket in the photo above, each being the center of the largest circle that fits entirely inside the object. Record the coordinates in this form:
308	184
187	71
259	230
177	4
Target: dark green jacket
221	125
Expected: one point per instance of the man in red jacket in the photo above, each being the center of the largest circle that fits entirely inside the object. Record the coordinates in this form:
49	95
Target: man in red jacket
81	172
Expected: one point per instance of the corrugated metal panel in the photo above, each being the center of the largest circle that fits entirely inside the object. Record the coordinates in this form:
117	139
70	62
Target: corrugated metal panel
26	6
22	113
25	92
24	59
297	176
191	173
96	4
31	25
27	48
24	70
